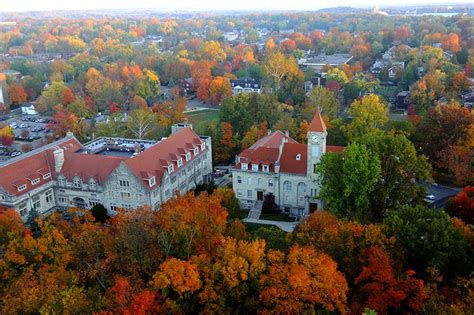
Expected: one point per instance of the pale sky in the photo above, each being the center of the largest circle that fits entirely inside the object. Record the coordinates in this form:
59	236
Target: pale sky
202	5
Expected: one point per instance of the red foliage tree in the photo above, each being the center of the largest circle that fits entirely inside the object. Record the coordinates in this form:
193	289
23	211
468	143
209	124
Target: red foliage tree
462	205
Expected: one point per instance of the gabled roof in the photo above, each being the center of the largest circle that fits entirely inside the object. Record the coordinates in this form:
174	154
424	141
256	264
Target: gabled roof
272	141
317	124
32	165
87	166
289	162
154	160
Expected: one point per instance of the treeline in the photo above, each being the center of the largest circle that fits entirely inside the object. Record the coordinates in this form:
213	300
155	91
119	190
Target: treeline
192	257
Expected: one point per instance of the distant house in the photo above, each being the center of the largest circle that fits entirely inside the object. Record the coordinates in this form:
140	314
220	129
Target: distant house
468	99
245	85
29	110
313	82
318	61
187	85
403	100
231	36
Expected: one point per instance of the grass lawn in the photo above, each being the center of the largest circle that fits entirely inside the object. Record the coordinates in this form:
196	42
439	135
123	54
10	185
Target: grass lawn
277	216
200	119
242	214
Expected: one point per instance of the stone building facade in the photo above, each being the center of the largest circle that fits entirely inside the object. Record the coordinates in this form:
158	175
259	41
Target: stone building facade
117	173
279	165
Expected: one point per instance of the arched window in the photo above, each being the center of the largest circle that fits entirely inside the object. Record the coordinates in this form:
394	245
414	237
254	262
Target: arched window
287	186
301	188
239	179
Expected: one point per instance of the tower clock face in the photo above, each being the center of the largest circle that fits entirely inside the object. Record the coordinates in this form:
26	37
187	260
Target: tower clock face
315	139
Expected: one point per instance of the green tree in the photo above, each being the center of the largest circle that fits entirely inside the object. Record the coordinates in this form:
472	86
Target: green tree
369	116
348	181
51	96
427	235
402	171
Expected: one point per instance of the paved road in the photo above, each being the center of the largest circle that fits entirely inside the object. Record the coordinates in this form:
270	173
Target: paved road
441	194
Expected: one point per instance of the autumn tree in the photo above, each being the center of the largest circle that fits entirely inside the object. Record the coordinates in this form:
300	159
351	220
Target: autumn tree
453	123
219	88
16	94
303	281
322	100
7	137
51	96
379	289
462	205
140	123
277	67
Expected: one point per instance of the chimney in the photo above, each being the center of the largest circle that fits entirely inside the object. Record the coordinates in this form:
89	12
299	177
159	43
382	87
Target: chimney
58	159
69	134
269	132
287	133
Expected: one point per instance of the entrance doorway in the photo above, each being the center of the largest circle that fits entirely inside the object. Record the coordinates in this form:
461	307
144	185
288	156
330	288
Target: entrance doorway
79	203
259	195
313	207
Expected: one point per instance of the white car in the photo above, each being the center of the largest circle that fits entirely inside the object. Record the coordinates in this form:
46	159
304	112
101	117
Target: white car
430	197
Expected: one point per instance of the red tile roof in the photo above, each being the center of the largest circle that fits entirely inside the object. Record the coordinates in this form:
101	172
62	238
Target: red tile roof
289	162
88	166
155	160
317	124
35	164
272	141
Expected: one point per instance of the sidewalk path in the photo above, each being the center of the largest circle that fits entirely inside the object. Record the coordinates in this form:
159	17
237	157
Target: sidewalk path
285	226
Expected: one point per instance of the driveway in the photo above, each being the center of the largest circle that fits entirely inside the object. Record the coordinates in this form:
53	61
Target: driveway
441	195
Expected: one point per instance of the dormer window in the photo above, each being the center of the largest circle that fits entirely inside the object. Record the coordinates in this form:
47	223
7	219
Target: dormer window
61	181
152	181
188	156
266	168
255	167
196	151
298	157
180	162
46	176
22	187
35	181
203	146
170	168
77	183
245	166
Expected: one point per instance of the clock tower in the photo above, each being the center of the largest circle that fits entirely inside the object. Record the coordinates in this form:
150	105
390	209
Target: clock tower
315	149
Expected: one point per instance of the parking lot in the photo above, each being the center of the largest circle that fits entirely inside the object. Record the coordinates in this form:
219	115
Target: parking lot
28	129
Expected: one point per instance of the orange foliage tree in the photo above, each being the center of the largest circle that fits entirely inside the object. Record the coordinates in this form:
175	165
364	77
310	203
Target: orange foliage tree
302	282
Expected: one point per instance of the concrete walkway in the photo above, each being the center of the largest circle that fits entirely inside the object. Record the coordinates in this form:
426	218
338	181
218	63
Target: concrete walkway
285	226
256	210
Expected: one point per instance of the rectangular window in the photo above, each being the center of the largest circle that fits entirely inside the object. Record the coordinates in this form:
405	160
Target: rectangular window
170	168
245	166
255	167
239	192
49	196
203	146
270	183
180	162
63	200
315	168
259	182
196	151
266	168
249	180
239	180
124	183
125	194
22	209
152	181
36	202
249	194
315	151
